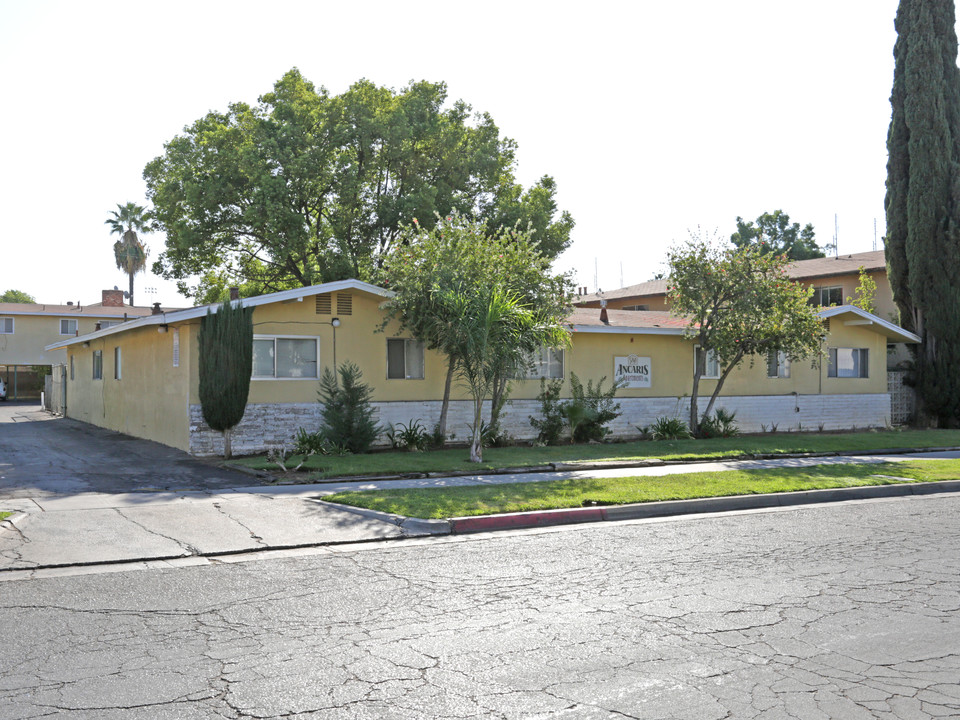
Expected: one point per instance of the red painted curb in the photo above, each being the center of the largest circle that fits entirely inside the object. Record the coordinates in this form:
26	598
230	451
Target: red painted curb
537	518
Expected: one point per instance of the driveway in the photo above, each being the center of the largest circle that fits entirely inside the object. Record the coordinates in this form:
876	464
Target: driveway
42	455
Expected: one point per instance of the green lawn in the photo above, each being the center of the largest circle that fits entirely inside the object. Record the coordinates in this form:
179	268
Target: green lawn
326	466
519	497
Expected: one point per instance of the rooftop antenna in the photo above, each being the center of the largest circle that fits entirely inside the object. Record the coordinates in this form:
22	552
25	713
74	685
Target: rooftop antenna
596	281
836	236
621	273
874	233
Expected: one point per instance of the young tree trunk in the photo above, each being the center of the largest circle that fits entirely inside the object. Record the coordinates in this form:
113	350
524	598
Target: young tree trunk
497	399
476	446
697	372
227	443
723	378
445	405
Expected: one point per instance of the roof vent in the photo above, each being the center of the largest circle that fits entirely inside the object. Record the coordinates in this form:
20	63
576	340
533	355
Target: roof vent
156	309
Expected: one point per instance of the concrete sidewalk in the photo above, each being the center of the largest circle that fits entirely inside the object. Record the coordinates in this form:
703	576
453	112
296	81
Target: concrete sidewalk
94	528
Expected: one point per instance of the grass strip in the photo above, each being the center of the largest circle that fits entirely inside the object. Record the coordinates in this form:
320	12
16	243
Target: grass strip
5	515
457	460
570	493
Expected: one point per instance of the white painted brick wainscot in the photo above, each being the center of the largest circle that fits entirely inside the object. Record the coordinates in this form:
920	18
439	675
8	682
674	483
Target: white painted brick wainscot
267	425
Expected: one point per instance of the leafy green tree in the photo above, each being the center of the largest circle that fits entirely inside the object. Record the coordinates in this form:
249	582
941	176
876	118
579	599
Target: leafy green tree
347	417
865	294
17	296
923	198
739	304
305	187
225	364
128	251
459	254
774	233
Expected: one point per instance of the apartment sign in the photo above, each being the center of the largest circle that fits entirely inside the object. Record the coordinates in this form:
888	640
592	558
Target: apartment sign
633	371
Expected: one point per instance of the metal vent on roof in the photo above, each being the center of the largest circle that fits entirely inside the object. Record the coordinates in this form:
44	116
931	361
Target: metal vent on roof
344	304
324	304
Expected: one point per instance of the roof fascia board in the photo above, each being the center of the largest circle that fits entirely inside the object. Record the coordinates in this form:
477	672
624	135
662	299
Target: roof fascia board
889	329
620	330
166	318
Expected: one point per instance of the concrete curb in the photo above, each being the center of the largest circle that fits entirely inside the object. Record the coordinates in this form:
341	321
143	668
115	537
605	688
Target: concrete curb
10	522
411	526
640	511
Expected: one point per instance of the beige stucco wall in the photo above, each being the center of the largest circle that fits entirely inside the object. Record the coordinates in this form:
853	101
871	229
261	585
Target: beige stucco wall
31	333
590	356
150	398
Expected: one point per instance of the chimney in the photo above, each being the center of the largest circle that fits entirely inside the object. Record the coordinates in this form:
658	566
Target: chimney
112	298
234	293
156	309
97	326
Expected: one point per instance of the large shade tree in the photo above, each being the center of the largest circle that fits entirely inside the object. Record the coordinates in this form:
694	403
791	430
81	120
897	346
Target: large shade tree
774	233
129	252
307	187
17	296
923	198
740	305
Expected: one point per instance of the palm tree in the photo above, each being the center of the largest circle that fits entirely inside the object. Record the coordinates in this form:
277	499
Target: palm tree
130	253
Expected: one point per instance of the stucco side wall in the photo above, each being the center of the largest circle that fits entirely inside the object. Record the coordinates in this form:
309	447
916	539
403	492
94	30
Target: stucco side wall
31	333
150	398
267	426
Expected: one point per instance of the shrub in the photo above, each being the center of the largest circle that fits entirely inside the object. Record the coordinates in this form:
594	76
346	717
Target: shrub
550	424
347	415
309	443
669	429
596	408
413	436
722	424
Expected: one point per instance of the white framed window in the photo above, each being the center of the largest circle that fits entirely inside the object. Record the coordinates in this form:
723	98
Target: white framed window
6	326
545	363
711	368
778	364
176	347
68	327
104	324
828	296
635	307
117	363
404	359
98	364
292	357
848	363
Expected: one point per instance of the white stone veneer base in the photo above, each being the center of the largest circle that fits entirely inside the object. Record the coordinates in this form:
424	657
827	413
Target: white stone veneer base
272	425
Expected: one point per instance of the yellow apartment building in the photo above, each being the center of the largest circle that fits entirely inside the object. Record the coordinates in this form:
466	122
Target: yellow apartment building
141	377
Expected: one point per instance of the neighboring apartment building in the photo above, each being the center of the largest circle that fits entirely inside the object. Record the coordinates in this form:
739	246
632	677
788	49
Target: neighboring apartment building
834	280
26	328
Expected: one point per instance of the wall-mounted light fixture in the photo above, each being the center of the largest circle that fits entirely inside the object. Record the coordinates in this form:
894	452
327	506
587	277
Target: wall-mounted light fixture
86	344
335	322
161	329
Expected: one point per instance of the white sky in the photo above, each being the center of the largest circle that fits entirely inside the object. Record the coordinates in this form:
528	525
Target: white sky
654	117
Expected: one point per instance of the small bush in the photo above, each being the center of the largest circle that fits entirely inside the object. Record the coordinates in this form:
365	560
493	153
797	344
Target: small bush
413	436
722	424
669	429
596	408
308	443
347	415
551	422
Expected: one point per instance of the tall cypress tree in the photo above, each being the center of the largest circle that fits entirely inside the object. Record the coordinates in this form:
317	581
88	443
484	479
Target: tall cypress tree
923	198
226	363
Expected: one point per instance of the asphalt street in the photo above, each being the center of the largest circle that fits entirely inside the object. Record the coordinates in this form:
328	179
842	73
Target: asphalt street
841	611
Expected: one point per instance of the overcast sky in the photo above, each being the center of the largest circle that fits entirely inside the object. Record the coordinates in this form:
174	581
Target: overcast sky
653	117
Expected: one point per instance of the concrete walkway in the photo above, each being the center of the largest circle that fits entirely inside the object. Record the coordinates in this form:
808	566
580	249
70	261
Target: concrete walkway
89	528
